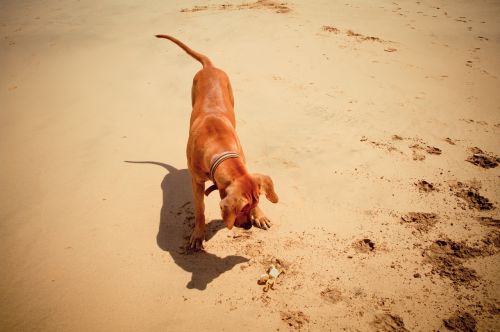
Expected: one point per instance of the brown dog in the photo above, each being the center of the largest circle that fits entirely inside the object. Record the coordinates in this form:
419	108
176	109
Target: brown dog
214	153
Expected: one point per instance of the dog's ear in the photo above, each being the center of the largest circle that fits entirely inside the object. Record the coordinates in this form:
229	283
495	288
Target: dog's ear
230	207
266	187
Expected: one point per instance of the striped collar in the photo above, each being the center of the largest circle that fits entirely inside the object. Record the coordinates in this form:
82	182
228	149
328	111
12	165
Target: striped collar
216	161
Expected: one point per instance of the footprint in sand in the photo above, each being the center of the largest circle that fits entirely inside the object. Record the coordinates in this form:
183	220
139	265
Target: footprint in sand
449	141
446	264
277	7
389	322
461	321
417	148
364	246
447	259
426	187
331	295
489	221
294	319
471	197
421	221
483	159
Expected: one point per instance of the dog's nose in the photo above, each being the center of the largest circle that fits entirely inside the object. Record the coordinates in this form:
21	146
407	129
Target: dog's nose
248	225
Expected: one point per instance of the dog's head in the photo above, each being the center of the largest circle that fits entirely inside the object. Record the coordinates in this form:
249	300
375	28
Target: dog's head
242	196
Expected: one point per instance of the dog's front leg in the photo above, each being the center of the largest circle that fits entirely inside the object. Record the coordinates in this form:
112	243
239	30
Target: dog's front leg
259	219
198	234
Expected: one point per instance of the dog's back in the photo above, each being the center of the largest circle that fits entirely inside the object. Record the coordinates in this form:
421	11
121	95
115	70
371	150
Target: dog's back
211	92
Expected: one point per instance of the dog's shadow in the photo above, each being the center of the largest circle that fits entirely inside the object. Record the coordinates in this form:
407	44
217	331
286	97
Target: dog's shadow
176	224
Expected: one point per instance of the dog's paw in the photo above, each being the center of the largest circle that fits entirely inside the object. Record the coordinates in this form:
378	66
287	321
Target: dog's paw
262	222
196	241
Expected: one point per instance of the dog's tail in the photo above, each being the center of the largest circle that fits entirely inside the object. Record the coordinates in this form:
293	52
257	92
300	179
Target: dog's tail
198	56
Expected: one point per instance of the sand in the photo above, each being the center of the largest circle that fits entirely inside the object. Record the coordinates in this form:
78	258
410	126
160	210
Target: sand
377	120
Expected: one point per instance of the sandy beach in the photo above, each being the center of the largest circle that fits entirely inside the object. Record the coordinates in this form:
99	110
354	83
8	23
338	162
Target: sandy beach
378	121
